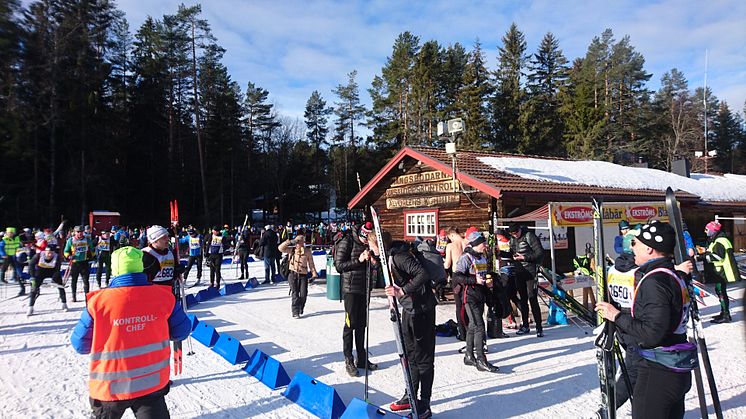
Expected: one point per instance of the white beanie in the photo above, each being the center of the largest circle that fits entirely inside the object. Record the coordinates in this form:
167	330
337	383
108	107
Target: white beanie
156	232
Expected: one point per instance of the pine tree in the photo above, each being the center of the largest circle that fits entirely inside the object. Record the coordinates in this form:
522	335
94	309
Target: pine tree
728	133
541	122
473	99
349	112
426	73
679	129
509	95
317	118
451	81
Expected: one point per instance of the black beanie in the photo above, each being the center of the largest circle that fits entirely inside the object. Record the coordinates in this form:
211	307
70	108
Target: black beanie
660	236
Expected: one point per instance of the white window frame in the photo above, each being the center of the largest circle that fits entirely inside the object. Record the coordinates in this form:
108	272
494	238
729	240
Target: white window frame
421	223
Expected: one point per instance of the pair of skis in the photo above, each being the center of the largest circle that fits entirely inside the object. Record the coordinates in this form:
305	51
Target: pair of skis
395	318
179	289
674	217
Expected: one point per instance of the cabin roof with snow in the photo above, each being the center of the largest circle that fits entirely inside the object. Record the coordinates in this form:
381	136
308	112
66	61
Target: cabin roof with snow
500	174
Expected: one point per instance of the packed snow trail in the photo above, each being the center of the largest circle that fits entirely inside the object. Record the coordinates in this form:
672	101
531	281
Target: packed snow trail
42	376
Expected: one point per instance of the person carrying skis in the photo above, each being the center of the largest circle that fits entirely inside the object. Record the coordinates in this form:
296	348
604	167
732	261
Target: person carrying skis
217	243
243	252
103	256
655	327
301	262
527	250
194	240
351	258
79	251
158	259
126	329
722	261
470	274
45	264
8	247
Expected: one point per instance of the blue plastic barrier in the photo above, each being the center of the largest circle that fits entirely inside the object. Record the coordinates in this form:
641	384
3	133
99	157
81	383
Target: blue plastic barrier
205	334
251	283
360	409
233	288
231	349
318	252
316	397
322	273
191	301
279	278
193	320
207	294
267	370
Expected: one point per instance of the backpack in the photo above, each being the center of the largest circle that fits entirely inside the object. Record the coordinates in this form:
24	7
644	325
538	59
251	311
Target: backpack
432	262
285	265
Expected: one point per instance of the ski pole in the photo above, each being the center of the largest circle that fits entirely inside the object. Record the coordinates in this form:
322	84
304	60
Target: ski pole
367	325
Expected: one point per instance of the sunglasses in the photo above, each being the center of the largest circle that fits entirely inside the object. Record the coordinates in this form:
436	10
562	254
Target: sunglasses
633	242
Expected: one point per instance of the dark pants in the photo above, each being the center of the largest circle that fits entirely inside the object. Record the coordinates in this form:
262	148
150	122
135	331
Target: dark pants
419	342
528	294
243	260
104	258
152	406
194	260
659	393
41	275
460	316
11	261
475	330
298	292
269	265
215	261
721	290
84	270
355	311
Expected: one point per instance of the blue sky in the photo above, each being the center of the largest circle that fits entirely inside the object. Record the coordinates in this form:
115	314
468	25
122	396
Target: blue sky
291	48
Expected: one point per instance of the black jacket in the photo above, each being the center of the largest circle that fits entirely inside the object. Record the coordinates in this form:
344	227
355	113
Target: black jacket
268	244
347	262
657	309
466	282
412	277
530	247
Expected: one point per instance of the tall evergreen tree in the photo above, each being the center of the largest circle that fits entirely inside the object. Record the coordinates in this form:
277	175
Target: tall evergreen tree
509	94
728	134
473	99
542	127
317	118
349	111
425	75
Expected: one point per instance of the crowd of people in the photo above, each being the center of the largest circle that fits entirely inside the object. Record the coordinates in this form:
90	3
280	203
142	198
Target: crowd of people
487	274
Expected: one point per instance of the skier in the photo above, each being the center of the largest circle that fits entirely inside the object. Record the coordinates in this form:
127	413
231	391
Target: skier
126	328
217	244
656	326
470	274
103	256
243	252
268	247
45	264
527	250
413	289
619	239
351	257
158	259
79	252
8	247
301	262
722	260
194	240
454	249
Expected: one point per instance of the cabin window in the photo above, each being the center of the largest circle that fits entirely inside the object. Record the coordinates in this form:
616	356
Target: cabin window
420	224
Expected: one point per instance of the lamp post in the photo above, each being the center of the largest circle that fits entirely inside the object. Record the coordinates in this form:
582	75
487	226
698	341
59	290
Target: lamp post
705	156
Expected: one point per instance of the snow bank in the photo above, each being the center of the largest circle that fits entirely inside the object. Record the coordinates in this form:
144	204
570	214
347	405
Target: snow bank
42	377
729	187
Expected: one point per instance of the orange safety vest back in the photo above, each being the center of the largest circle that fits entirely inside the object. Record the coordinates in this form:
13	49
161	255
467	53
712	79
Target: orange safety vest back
130	351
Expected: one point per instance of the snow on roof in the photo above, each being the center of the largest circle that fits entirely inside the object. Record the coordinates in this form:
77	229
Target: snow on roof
729	187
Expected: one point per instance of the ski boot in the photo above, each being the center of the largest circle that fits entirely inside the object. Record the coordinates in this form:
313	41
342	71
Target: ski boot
350	367
540	333
726	318
484	365
401	404
30	312
361	365
64	307
523	330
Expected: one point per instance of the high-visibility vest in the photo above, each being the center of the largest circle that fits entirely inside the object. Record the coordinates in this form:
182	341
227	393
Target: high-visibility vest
130	352
726	264
167	263
11	245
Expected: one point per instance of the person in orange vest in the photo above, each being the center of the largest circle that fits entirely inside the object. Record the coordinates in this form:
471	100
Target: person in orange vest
126	328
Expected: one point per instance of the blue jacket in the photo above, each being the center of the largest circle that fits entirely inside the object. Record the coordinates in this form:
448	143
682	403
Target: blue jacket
179	325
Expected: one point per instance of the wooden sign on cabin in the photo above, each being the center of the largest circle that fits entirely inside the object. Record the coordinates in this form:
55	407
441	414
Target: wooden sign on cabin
423	190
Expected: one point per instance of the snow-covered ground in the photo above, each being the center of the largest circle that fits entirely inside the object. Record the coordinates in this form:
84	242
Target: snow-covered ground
42	377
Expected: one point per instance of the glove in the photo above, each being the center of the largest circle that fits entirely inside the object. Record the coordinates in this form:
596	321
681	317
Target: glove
292	242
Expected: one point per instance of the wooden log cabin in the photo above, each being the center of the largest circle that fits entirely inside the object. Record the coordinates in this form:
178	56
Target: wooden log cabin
415	193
